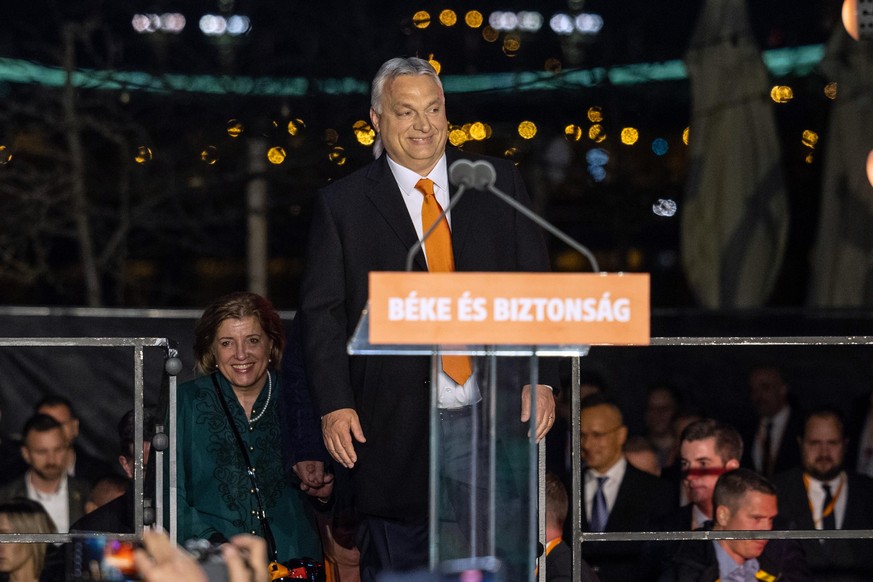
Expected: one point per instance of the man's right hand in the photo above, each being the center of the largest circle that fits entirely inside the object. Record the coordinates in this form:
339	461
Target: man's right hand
338	428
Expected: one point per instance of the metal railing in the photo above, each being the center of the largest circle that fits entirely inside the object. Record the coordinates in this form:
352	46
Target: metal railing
138	346
576	461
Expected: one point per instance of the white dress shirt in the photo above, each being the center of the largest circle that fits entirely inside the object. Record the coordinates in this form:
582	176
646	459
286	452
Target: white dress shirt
451	394
56	504
816	497
698	518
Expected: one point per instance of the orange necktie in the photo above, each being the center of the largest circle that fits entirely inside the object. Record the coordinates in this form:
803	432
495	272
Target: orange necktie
438	250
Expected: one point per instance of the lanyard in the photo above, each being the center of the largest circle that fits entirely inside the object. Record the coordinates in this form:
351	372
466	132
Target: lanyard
762	575
549	547
829	508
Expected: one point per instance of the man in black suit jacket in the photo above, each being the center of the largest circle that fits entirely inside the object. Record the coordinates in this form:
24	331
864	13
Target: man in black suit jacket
743	500
708	448
44	449
374	410
117	516
696	561
559	556
804	503
81	464
771	445
633	499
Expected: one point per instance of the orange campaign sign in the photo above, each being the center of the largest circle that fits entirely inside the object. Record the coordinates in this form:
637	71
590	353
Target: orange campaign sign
509	308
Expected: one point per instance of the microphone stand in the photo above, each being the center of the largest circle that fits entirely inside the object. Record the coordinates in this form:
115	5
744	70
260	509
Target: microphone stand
487	182
546	225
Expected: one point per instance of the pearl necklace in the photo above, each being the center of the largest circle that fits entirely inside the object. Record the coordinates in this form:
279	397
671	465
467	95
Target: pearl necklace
267	405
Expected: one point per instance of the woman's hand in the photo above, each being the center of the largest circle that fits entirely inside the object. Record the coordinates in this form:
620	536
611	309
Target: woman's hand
313	480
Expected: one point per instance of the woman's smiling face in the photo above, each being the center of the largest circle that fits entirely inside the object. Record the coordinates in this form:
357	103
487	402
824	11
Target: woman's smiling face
242	352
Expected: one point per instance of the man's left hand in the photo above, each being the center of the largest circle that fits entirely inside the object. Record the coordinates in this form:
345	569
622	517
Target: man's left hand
545	408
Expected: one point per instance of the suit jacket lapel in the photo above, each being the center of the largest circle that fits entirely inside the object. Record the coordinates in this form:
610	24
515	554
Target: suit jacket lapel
616	521
464	214
387	198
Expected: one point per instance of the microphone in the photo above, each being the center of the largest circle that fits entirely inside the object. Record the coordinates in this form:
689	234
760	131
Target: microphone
481	175
478	175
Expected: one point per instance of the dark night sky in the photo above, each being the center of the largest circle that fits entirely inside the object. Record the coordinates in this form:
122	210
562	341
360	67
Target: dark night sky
341	38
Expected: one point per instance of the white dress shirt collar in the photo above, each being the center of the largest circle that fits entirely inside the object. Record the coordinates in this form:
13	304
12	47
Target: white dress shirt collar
777	432
407	179
56	504
610	487
839	484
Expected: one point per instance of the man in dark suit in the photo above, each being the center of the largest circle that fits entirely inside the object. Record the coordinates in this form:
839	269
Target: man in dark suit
617	496
44	449
80	463
117	516
708	448
558	555
374	410
771	445
743	500
821	494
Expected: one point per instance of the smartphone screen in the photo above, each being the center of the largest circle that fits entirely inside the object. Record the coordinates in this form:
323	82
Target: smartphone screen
106	559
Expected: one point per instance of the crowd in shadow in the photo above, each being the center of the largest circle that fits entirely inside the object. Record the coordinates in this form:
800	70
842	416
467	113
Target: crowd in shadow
790	467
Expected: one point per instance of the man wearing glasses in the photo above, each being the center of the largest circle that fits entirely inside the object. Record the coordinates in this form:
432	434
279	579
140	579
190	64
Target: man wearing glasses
617	496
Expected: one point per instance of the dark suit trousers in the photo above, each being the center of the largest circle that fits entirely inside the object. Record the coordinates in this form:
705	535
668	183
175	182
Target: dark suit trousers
392	545
397	546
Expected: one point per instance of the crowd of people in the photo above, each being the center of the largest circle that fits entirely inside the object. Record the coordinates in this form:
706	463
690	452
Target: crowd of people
792	468
291	452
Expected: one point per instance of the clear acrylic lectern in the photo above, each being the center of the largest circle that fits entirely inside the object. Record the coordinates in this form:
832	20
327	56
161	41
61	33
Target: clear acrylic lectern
484	467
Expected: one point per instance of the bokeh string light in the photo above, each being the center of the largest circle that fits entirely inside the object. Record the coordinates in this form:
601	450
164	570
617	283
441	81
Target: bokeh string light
235	128
505	24
143	155
781	94
209	155
364	133
276	155
296	127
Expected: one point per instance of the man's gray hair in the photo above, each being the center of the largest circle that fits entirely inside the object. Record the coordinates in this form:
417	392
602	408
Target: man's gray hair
398	67
390	70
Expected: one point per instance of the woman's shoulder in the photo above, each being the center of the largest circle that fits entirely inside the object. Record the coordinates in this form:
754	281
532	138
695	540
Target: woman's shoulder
194	389
198	381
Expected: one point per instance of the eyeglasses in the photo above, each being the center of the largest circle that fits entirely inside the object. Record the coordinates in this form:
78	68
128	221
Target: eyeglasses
594	435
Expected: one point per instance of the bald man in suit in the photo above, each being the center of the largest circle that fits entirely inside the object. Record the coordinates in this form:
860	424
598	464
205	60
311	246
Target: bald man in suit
617	496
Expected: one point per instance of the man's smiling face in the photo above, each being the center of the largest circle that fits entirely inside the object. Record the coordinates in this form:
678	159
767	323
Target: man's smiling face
412	122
